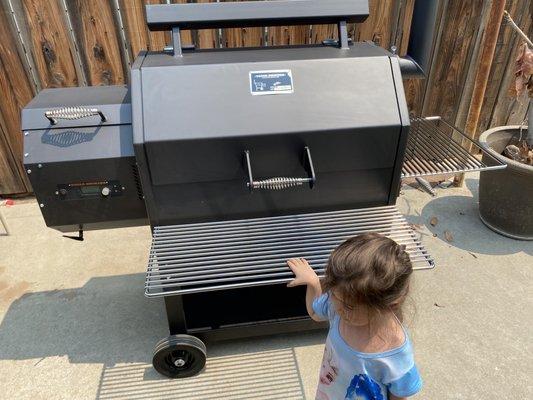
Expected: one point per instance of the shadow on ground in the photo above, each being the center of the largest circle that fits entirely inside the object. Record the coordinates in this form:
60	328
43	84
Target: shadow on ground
261	375
109	321
459	215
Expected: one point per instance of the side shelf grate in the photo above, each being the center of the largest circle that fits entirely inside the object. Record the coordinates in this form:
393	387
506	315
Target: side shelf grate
434	147
212	256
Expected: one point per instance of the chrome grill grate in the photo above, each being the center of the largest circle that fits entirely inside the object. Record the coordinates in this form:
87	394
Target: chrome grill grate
434	148
210	256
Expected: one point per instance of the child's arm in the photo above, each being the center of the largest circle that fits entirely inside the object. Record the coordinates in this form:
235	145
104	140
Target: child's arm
305	275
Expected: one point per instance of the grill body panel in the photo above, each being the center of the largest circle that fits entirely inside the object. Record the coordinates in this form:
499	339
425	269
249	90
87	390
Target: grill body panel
344	106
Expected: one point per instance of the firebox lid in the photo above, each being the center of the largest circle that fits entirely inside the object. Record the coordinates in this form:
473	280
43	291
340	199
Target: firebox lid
112	101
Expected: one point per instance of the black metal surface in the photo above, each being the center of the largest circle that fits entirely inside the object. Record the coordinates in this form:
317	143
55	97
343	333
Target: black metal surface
275	327
175	314
254	13
67	212
192	166
196	258
423	34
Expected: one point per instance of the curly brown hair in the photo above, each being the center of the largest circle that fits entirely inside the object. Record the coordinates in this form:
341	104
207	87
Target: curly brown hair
370	270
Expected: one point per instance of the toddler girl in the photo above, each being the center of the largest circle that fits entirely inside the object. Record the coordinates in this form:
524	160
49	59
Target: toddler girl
368	354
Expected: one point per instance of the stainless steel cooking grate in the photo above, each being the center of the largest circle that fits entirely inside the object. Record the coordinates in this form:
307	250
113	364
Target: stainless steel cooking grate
434	147
233	254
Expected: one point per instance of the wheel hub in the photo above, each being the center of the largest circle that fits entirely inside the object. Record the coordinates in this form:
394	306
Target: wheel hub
179	362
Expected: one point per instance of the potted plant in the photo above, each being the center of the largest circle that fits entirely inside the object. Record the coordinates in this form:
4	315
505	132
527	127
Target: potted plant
506	196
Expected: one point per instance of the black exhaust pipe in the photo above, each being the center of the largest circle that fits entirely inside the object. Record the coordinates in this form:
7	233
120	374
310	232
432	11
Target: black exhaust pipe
423	29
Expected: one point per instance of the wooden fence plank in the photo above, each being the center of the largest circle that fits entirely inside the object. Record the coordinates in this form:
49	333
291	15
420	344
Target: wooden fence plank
51	47
10	178
135	25
206	38
16	91
458	36
157	40
505	49
319	33
97	40
404	26
473	63
508	109
380	24
288	35
242	37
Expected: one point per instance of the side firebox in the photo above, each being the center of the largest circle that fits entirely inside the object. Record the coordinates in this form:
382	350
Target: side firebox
78	153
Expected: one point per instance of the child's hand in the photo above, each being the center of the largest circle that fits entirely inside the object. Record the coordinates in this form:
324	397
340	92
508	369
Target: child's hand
304	274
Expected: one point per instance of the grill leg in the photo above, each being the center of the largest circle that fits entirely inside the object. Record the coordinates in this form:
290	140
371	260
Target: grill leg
175	315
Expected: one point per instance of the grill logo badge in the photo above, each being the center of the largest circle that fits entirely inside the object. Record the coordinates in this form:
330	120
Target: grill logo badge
271	82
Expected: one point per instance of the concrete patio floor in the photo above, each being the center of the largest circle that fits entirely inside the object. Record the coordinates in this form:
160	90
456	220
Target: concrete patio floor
74	323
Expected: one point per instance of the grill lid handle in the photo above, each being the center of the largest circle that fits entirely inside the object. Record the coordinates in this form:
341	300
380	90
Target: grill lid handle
254	13
280	183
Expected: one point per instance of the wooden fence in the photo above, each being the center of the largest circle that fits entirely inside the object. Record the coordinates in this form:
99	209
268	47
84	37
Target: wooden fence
57	43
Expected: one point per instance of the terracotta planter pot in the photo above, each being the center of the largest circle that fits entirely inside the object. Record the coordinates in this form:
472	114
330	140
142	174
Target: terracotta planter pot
506	196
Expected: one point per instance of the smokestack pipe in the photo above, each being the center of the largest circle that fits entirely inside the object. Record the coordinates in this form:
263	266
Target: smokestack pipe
423	29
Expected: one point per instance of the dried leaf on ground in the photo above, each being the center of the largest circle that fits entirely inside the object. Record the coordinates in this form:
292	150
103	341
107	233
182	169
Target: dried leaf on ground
434	221
448	236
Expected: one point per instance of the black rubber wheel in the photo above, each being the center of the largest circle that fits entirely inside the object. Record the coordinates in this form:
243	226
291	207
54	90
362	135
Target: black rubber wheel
179	356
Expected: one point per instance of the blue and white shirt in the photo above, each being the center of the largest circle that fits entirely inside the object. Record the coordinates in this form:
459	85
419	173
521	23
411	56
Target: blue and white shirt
347	374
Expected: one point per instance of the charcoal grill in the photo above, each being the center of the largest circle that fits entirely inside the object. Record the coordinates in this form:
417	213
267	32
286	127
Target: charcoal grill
240	159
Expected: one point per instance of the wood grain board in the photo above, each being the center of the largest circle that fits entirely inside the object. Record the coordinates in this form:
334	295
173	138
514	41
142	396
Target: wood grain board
507	109
91	53
448	76
16	92
50	47
97	40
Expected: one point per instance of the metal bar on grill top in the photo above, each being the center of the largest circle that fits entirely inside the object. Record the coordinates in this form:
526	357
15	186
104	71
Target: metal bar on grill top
218	247
254	13
453	146
262	245
431	151
279	226
208	259
434	153
382	210
275	229
437	151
